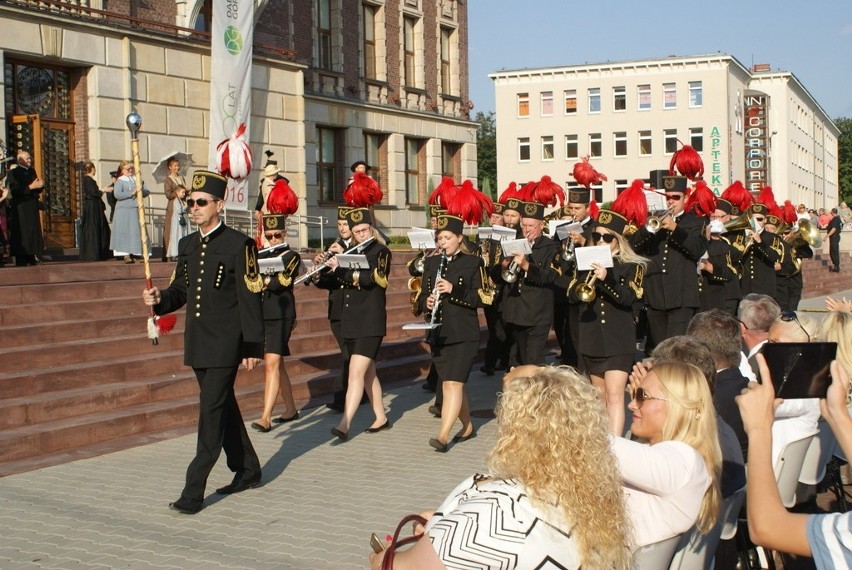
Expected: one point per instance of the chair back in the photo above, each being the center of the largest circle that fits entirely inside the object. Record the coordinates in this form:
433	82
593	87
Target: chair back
696	550
655	556
789	466
730	512
819	454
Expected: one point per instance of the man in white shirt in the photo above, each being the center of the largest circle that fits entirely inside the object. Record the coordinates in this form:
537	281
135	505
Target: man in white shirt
756	314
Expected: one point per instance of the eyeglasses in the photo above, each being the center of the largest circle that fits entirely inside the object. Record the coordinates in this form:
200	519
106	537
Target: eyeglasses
640	395
200	202
274	235
788	316
362	231
606	238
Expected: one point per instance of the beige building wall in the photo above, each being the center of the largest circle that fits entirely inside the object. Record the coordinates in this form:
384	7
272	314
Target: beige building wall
716	122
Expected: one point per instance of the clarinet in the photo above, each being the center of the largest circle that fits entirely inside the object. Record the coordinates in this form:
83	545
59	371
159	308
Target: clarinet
432	337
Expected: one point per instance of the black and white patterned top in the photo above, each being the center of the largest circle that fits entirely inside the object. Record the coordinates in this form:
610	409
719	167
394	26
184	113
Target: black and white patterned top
493	524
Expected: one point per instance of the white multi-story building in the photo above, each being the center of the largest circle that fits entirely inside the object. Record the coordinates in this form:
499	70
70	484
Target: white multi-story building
755	125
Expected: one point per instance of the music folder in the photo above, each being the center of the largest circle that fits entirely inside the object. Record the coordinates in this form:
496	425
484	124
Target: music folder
271	265
353	261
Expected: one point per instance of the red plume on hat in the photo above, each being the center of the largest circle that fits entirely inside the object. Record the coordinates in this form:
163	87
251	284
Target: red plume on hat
594	210
233	155
469	204
363	192
282	199
767	198
443	192
526	192
788	213
548	192
688	163
632	204
511	191
701	200
737	195
585	174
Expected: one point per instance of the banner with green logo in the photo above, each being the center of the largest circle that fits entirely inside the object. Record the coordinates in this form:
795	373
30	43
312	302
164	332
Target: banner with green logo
230	83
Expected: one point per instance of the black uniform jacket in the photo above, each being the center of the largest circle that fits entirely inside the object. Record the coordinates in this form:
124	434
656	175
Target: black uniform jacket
606	324
529	300
362	310
456	310
758	263
278	299
671	279
217	278
24	224
335	290
724	283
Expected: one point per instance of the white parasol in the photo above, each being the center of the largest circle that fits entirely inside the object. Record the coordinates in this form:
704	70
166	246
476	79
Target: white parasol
161	171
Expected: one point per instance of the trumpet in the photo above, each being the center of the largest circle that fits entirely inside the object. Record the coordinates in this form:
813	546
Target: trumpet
568	248
320	267
420	261
585	291
510	274
655	221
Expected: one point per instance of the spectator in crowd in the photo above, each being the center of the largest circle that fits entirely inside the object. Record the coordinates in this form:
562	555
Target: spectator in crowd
814	217
823	219
756	314
176	225
94	228
844	212
25	225
834	227
802	212
126	235
5	194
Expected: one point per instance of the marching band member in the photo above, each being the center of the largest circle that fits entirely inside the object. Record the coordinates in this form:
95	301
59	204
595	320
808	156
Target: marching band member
604	298
279	307
511	199
789	281
496	350
454	285
363	314
763	250
720	280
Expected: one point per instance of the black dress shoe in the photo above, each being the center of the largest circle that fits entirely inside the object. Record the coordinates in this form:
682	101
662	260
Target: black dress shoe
460	438
487	371
428	387
186	507
238	485
435	411
260	427
436	443
384	426
282	420
341	435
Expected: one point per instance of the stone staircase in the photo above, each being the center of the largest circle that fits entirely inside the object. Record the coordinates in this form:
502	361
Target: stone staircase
819	281
78	376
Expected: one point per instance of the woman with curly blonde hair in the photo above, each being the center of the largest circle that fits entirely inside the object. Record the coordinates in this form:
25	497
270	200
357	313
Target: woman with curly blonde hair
671	480
554	492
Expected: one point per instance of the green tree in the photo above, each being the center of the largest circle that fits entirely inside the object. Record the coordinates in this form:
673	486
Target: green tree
844	158
486	149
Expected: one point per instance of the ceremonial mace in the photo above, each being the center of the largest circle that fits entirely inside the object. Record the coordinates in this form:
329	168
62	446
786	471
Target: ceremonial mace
156	325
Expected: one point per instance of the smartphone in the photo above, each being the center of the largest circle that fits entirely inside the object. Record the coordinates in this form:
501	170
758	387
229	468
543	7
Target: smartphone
800	369
376	543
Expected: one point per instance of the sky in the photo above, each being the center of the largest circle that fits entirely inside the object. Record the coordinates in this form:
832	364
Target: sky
813	40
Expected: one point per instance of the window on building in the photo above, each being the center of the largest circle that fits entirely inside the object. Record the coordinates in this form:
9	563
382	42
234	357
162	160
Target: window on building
547	149
696	138
370	41
413	152
696	96
619	98
328	168
645	143
670	137
620	186
570	101
324	34
619	140
594	100
450	165
597	193
446	60
375	155
523	104
572	146
523	149
595	145
546	103
669	96
409	26
204	18
643	93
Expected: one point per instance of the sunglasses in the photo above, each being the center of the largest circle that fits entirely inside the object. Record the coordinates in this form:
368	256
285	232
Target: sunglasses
275	235
200	202
674	197
788	316
640	395
606	238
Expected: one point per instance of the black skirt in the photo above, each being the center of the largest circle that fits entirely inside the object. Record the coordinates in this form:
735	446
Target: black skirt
365	346
598	365
278	335
454	361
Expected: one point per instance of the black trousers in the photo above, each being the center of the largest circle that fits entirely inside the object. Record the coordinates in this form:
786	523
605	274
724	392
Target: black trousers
341	383
497	348
572	336
668	323
220	426
834	251
529	343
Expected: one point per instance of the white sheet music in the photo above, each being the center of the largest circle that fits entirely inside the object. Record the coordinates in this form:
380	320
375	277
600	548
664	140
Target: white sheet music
271	265
503	233
586	256
656	201
563	229
353	261
513	246
484	233
421	238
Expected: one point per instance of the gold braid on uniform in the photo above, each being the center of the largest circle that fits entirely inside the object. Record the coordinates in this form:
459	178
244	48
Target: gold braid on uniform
174	274
636	282
730	263
555	266
254	282
286	276
486	292
380	273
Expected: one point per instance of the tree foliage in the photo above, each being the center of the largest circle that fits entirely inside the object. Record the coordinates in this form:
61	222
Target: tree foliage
486	148
844	158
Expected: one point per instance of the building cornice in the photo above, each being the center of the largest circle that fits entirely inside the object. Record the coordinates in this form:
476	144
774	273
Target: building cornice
797	85
466	123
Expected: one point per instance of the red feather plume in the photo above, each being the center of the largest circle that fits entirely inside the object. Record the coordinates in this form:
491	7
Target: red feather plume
548	192
585	174
767	198
363	192
632	204
701	200
594	210
511	191
282	199
737	195
788	213
469	204
166	323
688	163
443	192
526	192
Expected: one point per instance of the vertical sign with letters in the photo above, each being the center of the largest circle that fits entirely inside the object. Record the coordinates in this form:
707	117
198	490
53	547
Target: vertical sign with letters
756	107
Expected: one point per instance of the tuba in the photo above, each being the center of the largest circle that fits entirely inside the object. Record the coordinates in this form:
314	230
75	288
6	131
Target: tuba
807	234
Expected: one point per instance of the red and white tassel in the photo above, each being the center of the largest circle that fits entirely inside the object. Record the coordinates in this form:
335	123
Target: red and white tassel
233	155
